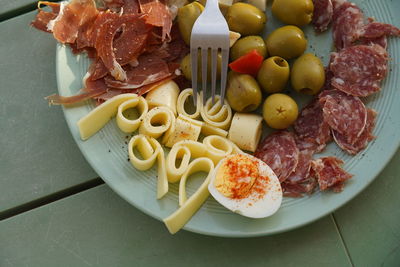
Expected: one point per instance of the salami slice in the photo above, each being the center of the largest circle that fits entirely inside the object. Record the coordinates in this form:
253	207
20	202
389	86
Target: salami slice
298	190
322	16
382	41
280	152
302	171
347	24
329	172
362	140
344	114
359	70
311	125
378	29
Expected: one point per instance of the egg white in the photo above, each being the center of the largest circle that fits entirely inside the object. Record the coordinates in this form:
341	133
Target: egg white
254	205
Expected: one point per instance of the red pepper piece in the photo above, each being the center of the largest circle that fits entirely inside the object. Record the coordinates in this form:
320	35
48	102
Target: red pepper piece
249	63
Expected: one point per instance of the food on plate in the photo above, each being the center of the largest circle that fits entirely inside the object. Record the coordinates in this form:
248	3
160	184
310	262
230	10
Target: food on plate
246	185
293	12
261	4
329	173
245	130
233	37
150	151
184	128
187	15
247	44
223	5
280	111
164	95
242	92
245	19
249	63
208	129
158	121
273	74
308	74
322	15
131	113
187	69
184	104
215	114
287	42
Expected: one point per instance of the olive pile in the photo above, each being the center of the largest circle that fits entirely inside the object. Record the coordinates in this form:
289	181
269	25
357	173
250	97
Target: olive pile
244	92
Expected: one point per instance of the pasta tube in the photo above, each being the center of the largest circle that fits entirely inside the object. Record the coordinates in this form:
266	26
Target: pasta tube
217	148
245	130
151	150
189	207
183	105
215	114
127	125
185	129
157	121
164	95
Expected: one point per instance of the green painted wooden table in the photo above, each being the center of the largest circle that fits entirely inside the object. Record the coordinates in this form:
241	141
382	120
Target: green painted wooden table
55	211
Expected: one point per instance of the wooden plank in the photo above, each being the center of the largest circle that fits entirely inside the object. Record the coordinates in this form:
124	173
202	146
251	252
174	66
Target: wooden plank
370	224
96	227
38	155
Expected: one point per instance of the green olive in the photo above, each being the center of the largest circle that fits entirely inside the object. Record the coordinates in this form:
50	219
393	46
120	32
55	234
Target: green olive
287	42
294	12
273	74
187	70
246	44
280	111
308	74
187	15
242	92
245	19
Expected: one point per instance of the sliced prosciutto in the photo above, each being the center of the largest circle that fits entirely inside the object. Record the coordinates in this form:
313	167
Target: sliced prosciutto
322	16
347	24
362	141
344	113
359	70
329	173
44	17
157	14
311	125
280	152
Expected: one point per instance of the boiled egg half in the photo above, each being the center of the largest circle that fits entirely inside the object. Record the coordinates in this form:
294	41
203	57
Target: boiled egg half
246	185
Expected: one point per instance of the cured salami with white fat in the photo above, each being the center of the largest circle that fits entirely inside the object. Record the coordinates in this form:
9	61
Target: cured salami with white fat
280	152
311	125
322	16
362	140
344	113
359	70
329	173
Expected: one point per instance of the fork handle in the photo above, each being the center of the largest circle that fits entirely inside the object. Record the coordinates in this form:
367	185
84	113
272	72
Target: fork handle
212	4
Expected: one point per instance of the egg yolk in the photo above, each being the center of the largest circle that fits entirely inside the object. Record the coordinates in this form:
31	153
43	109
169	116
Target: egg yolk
236	176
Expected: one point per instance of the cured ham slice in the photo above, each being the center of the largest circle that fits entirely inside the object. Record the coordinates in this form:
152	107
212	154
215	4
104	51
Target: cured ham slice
157	14
359	70
322	16
44	17
280	152
311	125
344	113
362	141
329	173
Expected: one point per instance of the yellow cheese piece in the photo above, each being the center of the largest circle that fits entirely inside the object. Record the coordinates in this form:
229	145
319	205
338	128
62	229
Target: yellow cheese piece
185	129
189	207
245	130
217	115
208	129
233	37
157	121
92	122
184	103
217	147
164	95
126	125
143	144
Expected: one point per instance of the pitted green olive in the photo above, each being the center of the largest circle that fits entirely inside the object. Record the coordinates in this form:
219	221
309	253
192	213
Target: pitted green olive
293	12
280	111
242	92
287	42
245	19
187	15
308	74
247	44
273	74
187	70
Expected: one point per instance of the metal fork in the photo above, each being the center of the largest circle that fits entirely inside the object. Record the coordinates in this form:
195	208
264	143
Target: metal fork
210	31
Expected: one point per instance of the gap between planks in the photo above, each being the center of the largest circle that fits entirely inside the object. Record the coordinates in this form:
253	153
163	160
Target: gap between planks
51	198
342	239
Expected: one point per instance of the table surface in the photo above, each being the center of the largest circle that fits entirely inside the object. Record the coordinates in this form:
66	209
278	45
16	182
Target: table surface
55	210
